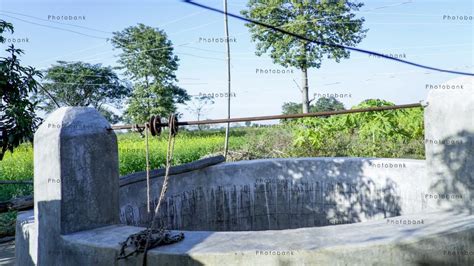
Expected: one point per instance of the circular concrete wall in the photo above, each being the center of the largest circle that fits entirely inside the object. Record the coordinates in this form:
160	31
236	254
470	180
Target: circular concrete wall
282	194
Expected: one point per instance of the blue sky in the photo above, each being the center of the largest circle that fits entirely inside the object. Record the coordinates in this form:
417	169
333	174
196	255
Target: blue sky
415	28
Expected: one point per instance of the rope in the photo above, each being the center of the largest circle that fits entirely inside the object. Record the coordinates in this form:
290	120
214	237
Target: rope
147	158
164	188
152	236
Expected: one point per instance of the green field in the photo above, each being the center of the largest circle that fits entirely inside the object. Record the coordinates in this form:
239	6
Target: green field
189	146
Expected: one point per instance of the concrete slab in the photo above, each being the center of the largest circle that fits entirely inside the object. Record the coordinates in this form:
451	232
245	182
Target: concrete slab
441	237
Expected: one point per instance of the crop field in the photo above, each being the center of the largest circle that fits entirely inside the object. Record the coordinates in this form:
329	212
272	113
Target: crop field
189	146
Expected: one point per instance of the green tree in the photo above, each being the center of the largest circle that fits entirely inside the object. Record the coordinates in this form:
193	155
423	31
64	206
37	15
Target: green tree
83	84
200	106
321	105
326	21
291	108
327	104
147	58
18	120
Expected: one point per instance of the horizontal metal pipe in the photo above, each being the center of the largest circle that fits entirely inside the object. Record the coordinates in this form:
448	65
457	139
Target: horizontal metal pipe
275	117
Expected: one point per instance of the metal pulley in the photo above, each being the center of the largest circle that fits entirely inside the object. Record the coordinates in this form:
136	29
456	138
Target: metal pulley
155	125
173	124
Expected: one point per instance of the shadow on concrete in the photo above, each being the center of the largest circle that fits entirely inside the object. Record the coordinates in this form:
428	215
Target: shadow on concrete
457	178
454	176
99	246
453	248
346	197
300	193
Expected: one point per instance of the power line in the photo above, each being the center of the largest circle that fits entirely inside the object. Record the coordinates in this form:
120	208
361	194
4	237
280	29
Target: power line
94	29
392	5
57	22
324	43
57	28
104	84
181	18
82	84
204	57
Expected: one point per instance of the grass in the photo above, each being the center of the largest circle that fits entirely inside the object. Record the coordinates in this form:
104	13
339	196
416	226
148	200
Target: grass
189	146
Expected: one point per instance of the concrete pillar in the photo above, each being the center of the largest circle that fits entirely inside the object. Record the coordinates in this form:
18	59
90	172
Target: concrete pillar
75	178
449	143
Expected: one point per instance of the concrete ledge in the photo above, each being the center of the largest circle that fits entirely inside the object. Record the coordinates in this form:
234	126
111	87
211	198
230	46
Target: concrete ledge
179	169
435	239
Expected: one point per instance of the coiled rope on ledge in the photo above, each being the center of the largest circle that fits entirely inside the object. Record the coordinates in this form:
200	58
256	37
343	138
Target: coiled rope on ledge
152	236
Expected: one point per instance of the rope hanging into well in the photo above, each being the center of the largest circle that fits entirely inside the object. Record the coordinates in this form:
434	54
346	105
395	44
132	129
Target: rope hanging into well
153	236
147	159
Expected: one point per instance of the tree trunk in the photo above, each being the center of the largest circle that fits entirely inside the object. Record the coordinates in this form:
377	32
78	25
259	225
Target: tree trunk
199	119
148	105
304	90
226	30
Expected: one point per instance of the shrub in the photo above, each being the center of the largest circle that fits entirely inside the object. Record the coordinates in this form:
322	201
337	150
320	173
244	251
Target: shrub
393	133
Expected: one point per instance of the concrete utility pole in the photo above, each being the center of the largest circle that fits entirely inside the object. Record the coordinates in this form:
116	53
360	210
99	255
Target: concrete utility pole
226	29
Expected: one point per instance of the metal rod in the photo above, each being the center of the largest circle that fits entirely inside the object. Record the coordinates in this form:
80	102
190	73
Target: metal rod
275	117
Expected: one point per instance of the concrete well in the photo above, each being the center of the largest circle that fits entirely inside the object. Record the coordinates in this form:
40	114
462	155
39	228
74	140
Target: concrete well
304	211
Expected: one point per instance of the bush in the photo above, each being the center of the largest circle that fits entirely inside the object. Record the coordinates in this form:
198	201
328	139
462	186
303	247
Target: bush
393	134
273	142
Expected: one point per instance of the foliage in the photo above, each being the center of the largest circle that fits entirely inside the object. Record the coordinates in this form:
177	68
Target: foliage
83	84
148	60
321	105
18	120
7	223
330	22
394	133
200	106
327	104
271	142
16	166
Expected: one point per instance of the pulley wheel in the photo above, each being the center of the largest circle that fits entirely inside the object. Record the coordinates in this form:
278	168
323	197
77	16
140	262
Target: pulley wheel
157	125
173	124
152	127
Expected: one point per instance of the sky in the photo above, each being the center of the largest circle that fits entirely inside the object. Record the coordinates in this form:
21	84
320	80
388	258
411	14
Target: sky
416	30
